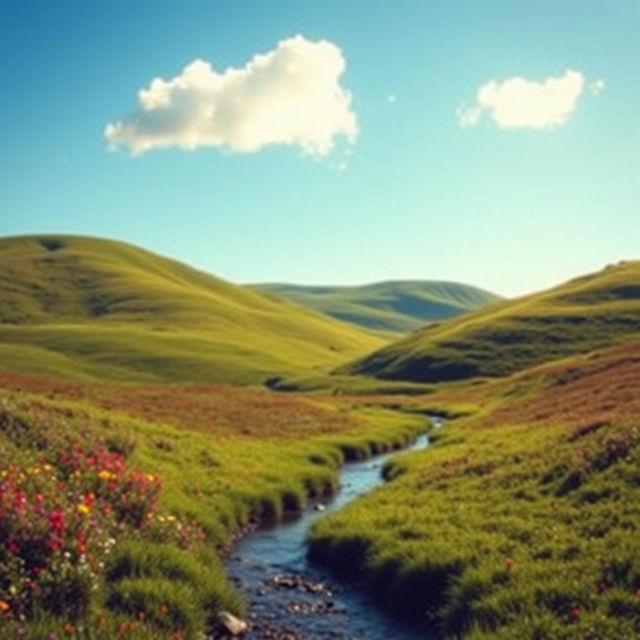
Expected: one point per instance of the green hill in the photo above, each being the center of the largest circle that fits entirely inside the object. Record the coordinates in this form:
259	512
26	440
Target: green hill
394	306
586	313
88	308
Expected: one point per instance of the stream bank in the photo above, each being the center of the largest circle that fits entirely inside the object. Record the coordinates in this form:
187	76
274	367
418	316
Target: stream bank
290	598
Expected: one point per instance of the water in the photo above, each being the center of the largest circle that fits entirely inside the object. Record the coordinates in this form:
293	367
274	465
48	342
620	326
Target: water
290	599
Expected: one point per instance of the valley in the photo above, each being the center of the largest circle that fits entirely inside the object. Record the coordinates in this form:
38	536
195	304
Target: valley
153	417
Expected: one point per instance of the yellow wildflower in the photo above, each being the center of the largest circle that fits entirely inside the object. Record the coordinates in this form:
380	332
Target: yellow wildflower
83	508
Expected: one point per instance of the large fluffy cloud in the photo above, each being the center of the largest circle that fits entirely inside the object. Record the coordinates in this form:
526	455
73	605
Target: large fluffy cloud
521	103
291	95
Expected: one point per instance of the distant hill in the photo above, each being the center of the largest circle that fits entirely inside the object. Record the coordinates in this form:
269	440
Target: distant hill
394	306
587	313
87	308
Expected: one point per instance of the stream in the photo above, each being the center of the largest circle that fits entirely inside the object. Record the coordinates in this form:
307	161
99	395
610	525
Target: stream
291	599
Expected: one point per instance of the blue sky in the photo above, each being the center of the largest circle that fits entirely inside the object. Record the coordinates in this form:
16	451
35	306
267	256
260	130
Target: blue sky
514	201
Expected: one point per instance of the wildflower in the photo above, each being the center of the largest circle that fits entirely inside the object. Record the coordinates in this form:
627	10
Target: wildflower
69	628
576	612
509	563
56	520
83	508
164	609
141	615
4	606
55	544
105	474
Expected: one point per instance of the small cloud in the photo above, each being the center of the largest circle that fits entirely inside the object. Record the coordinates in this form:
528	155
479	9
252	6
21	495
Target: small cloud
469	116
391	98
597	87
518	103
289	96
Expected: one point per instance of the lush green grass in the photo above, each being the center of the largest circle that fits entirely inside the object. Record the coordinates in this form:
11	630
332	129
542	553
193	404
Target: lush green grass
346	385
86	308
220	472
587	313
394	306
521	521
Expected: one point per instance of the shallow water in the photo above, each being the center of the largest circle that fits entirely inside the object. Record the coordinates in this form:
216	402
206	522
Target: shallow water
291	599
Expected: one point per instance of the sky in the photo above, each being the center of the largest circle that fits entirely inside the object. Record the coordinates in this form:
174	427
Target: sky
492	142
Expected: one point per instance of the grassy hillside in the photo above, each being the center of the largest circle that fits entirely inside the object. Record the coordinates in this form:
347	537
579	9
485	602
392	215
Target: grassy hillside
116	498
520	521
586	313
395	306
87	308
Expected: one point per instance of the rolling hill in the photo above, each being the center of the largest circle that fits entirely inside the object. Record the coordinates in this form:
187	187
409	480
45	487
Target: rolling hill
394	306
88	308
586	313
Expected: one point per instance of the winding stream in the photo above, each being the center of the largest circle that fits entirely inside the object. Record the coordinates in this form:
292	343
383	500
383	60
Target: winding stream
291	599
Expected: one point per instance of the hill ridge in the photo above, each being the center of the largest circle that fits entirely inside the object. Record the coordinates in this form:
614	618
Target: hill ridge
396	306
587	312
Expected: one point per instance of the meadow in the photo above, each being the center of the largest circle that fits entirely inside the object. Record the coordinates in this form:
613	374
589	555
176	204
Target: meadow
129	463
118	501
521	521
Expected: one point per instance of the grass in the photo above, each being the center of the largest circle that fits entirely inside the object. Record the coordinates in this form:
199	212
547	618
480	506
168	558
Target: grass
93	309
119	488
393	307
225	457
346	385
522	520
588	313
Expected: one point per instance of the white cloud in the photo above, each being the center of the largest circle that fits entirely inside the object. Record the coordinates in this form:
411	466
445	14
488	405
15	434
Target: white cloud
597	87
521	103
291	95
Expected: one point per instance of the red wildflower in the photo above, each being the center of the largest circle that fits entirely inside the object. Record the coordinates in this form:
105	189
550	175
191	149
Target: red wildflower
56	520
